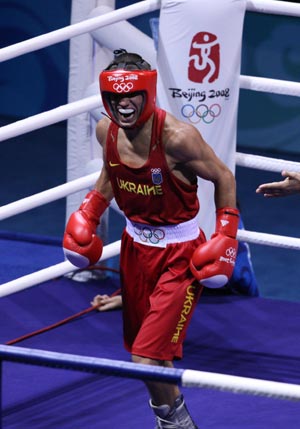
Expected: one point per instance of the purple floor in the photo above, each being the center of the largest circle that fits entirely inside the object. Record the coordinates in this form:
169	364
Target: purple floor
251	337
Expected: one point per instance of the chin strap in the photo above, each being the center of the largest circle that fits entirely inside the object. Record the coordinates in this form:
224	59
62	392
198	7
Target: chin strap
105	114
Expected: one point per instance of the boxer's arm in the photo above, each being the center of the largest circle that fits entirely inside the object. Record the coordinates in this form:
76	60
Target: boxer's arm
213	262
82	246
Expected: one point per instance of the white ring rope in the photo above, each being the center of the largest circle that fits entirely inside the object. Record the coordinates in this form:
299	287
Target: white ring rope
182	377
61	191
265	239
235	384
86	26
87	104
273	7
49	273
244	160
262	163
50	117
53	194
274	86
113	249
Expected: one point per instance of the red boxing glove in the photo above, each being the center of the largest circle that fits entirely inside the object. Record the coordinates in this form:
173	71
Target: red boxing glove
213	262
82	247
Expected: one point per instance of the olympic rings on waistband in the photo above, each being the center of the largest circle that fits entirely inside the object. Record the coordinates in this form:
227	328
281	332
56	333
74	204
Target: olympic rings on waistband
202	111
147	234
123	87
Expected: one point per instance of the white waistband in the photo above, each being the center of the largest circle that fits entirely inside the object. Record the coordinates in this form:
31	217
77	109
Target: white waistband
161	235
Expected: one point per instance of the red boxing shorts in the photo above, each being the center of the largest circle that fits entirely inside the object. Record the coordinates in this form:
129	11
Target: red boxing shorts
159	296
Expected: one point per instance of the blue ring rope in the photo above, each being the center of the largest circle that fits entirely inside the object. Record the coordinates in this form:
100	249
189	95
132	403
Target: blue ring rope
182	377
90	364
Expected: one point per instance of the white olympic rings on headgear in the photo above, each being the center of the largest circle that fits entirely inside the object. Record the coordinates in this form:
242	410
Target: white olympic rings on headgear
202	111
123	87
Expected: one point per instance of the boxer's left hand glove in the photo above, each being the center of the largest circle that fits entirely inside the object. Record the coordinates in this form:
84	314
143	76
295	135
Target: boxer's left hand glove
82	247
213	262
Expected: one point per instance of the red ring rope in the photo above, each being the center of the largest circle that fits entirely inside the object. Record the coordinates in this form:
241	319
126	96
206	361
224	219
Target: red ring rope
67	319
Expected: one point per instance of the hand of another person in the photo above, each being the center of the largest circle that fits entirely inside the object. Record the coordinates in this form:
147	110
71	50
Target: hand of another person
289	186
105	302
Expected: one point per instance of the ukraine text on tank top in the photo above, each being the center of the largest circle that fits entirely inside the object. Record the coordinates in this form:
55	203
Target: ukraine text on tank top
150	194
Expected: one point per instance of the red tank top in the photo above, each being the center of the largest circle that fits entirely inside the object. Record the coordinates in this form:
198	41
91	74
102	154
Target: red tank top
150	194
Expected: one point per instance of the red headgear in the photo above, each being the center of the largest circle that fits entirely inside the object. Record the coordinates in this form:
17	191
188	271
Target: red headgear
126	82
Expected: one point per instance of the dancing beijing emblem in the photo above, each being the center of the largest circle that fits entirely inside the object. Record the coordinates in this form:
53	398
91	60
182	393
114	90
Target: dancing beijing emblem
156	176
204	61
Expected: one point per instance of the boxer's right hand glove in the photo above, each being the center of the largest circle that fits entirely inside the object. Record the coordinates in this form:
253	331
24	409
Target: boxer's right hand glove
213	262
82	247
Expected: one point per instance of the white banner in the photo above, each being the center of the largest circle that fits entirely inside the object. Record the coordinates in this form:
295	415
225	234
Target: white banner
199	54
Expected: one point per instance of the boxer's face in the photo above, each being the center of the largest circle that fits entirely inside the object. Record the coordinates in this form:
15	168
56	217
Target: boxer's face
127	108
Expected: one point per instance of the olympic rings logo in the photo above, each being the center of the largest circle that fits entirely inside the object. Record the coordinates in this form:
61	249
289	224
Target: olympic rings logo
202	111
231	252
146	234
123	87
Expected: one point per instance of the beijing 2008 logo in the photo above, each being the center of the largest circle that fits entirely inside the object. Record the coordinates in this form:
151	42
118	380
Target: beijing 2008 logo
203	67
204	64
203	102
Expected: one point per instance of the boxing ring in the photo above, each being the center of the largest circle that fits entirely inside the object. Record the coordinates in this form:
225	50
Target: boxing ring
91	371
